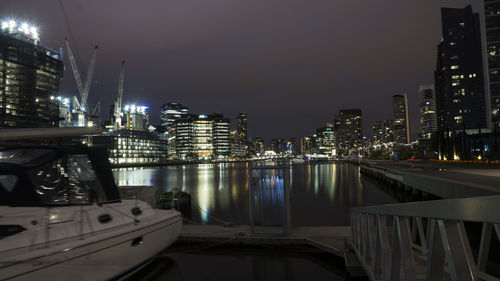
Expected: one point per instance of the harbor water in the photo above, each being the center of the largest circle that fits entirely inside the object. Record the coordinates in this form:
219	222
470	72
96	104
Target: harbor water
318	194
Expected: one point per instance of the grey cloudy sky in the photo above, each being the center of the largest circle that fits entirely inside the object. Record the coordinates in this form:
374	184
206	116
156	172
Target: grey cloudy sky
290	64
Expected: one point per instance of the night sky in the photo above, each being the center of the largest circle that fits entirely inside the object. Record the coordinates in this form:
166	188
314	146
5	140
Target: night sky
290	64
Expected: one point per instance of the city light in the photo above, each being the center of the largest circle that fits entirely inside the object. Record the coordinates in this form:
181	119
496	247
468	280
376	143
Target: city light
132	108
15	27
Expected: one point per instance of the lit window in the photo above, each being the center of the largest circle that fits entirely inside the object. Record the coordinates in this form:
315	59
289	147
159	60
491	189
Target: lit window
454	67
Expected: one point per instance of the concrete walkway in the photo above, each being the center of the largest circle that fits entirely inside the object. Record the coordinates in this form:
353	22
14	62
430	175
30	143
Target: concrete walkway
445	181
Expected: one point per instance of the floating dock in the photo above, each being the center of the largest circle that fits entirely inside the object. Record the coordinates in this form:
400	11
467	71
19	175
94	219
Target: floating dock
336	240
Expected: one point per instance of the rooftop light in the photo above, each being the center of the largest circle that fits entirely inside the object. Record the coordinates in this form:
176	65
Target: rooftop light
24	28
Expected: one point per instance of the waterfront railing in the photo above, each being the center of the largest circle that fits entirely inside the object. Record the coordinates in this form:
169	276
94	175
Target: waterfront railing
427	240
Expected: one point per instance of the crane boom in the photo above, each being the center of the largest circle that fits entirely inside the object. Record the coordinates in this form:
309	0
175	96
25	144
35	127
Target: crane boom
90	73
74	67
118	103
97	109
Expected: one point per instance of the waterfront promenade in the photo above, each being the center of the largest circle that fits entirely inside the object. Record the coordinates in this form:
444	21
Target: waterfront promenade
444	180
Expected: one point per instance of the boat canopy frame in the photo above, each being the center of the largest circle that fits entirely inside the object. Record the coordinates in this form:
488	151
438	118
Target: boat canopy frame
20	181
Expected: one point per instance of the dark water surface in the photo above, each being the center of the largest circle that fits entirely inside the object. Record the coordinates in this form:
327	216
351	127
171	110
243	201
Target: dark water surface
317	194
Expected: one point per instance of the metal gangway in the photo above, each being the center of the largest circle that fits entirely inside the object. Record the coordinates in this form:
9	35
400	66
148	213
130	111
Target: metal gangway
426	240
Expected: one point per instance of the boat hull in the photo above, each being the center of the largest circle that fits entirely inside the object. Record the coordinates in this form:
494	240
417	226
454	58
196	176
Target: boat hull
101	258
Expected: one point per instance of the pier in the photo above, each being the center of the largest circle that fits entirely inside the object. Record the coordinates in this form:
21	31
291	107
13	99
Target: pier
331	239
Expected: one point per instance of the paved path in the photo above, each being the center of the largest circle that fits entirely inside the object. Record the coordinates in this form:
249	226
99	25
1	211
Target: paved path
483	179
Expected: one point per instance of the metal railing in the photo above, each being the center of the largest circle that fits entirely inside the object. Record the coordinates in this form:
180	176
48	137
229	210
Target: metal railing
425	240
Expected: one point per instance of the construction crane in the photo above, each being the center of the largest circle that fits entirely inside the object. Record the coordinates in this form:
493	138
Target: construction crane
83	89
118	102
97	109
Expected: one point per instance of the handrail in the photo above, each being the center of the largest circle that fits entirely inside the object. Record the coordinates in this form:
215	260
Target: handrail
482	209
425	239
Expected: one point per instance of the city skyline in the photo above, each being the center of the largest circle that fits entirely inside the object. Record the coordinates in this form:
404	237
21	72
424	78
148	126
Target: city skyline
275	108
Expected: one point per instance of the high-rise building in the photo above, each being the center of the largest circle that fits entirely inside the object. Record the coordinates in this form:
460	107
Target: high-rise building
492	25
30	74
325	140
383	132
348	132
279	146
427	108
221	133
238	148
169	114
307	145
459	81
242	126
258	144
203	136
184	138
400	117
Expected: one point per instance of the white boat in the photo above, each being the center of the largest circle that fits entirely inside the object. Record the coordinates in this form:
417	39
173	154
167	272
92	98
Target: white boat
61	218
298	160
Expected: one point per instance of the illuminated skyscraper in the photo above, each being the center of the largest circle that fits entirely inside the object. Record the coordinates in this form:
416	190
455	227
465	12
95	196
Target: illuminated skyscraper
242	126
492	24
348	132
427	106
459	84
383	132
30	74
401	121
203	136
169	114
325	140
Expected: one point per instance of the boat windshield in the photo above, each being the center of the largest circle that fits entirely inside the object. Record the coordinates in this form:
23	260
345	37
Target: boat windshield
67	180
47	179
27	157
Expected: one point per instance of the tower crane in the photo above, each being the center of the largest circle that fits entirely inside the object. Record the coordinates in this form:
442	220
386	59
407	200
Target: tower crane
118	102
83	89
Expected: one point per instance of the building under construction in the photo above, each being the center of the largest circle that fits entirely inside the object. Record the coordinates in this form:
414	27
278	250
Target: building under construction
30	75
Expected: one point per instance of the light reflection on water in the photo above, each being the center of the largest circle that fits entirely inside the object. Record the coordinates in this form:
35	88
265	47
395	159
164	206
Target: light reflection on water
320	194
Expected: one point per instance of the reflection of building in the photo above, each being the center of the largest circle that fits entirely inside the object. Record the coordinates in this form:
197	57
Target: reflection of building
202	136
383	132
131	146
30	74
492	24
428	121
401	121
459	85
348	132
